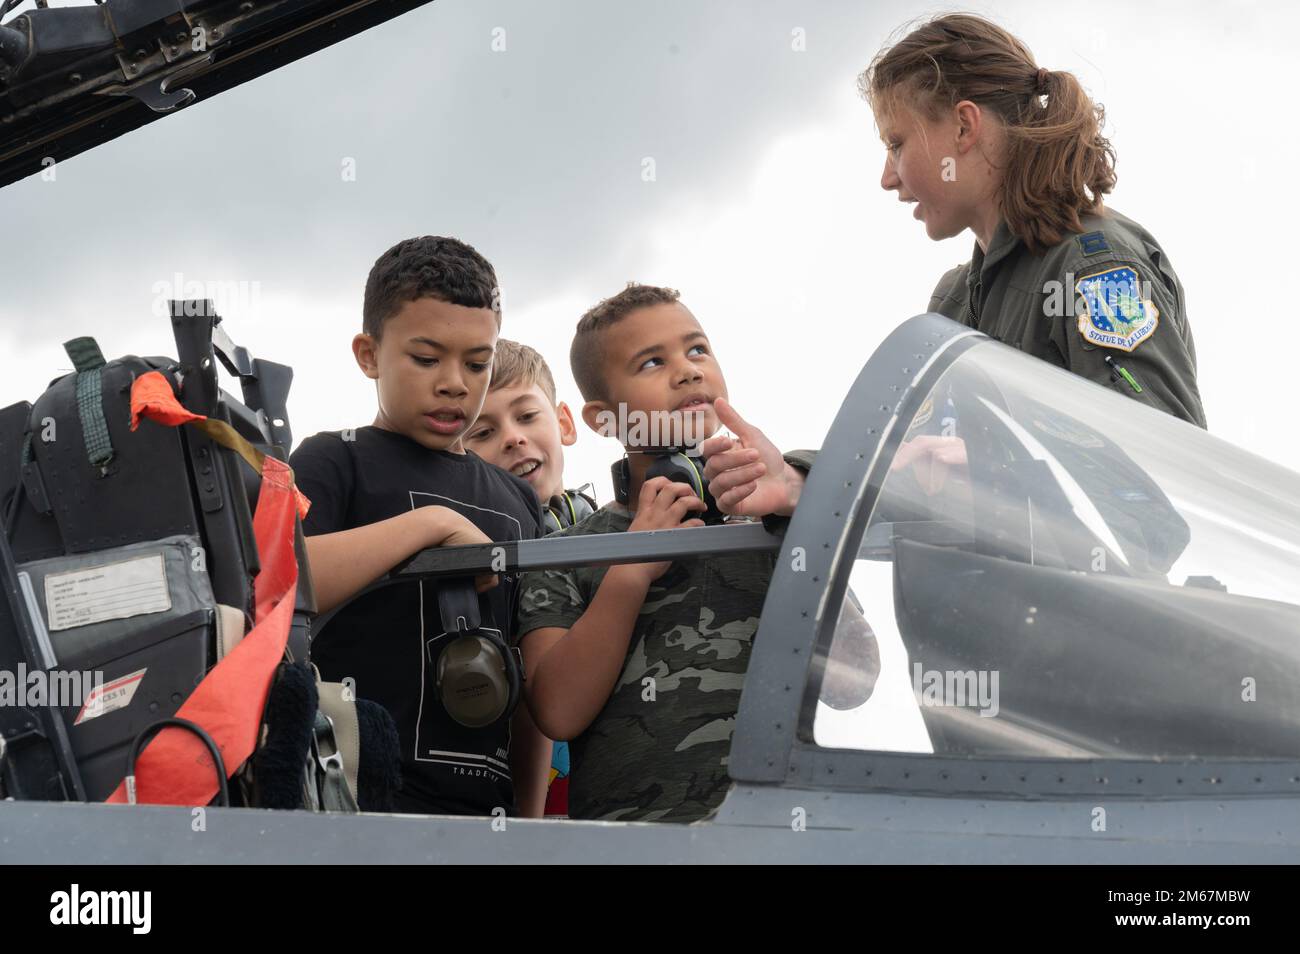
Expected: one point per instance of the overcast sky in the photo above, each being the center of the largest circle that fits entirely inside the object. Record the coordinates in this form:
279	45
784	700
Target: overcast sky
765	208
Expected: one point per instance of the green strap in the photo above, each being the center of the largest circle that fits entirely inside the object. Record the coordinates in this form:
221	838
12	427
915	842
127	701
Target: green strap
85	353
89	362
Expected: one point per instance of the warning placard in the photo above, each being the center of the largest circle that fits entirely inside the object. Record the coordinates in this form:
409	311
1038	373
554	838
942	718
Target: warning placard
113	591
110	697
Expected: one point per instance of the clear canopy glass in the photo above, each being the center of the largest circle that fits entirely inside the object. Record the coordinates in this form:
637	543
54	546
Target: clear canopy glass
1054	569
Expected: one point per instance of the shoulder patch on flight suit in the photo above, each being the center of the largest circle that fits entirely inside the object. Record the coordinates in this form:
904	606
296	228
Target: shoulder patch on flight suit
1093	242
1116	312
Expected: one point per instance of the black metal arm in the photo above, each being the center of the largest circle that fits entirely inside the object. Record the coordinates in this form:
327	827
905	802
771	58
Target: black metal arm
550	553
597	549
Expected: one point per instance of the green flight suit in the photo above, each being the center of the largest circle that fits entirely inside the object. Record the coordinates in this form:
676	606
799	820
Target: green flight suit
1107	291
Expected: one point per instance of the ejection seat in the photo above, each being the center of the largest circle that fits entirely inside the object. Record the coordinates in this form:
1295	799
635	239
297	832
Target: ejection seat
129	553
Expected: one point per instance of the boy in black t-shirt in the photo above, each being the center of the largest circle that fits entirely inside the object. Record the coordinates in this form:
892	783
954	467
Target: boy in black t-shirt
383	492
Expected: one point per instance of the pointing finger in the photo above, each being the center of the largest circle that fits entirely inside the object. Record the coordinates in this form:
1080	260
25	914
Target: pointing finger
730	419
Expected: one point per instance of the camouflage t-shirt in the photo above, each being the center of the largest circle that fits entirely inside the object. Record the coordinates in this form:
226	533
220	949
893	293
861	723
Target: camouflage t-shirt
658	749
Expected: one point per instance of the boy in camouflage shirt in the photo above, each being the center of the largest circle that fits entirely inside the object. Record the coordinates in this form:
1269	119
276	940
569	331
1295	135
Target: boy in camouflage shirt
641	666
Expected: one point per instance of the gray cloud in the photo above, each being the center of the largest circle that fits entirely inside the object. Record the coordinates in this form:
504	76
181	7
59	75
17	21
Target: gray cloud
533	154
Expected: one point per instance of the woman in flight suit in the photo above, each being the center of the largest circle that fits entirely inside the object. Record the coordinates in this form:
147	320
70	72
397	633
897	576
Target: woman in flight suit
979	137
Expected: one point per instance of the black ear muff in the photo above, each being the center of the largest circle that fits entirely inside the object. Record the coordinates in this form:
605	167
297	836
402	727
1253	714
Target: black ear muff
621	475
477	674
560	513
553	517
581	505
687	470
475	679
567	509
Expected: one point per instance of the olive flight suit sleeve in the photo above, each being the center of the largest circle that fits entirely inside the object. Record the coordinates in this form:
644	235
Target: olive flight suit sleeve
1128	308
951	294
800	459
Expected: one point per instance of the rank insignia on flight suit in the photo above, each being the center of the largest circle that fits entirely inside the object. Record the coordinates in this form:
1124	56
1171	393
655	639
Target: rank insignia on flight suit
1115	314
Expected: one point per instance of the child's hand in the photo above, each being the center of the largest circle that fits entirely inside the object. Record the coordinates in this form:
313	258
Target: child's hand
747	475
452	529
663	505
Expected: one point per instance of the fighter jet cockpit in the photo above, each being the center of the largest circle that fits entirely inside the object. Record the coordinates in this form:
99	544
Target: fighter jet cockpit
1008	599
1052	570
1000	580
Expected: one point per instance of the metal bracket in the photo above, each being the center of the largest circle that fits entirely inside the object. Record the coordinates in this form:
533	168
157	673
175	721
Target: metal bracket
458	605
158	94
330	786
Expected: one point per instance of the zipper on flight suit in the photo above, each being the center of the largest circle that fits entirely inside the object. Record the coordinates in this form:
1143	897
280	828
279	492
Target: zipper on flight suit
971	311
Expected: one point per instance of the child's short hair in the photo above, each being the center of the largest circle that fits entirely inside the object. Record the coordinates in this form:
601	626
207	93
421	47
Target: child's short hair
586	356
430	266
517	364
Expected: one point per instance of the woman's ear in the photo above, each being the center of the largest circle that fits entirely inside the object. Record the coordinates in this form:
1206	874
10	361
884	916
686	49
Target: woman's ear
970	124
365	350
597	416
568	430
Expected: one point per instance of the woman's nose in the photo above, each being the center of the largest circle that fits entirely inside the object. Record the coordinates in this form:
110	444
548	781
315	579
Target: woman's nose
889	178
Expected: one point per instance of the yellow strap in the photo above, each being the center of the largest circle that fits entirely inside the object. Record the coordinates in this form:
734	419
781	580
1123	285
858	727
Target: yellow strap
227	436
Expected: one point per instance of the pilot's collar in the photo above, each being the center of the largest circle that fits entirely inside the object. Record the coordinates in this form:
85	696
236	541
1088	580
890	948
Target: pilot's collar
1000	246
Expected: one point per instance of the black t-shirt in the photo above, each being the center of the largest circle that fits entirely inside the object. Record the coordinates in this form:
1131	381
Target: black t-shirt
389	640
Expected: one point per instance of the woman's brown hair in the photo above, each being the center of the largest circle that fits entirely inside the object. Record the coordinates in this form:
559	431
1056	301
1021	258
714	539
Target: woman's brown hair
1057	164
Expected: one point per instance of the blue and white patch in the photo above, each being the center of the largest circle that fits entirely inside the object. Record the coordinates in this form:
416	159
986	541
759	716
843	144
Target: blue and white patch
1116	312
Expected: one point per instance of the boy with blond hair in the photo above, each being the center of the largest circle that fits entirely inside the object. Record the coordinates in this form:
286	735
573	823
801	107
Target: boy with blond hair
524	429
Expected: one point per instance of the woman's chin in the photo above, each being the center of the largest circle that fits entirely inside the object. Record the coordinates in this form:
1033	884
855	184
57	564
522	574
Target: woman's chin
935	230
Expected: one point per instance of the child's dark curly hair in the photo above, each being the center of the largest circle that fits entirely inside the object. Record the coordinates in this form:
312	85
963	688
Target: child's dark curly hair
430	266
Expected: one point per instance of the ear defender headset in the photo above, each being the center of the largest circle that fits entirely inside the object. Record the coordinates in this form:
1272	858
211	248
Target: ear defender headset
566	509
677	467
478	675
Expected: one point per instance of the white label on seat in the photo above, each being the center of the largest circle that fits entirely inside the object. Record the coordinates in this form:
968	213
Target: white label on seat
113	591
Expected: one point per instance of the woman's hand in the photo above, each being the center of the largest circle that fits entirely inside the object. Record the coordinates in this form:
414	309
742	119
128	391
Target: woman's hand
747	475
